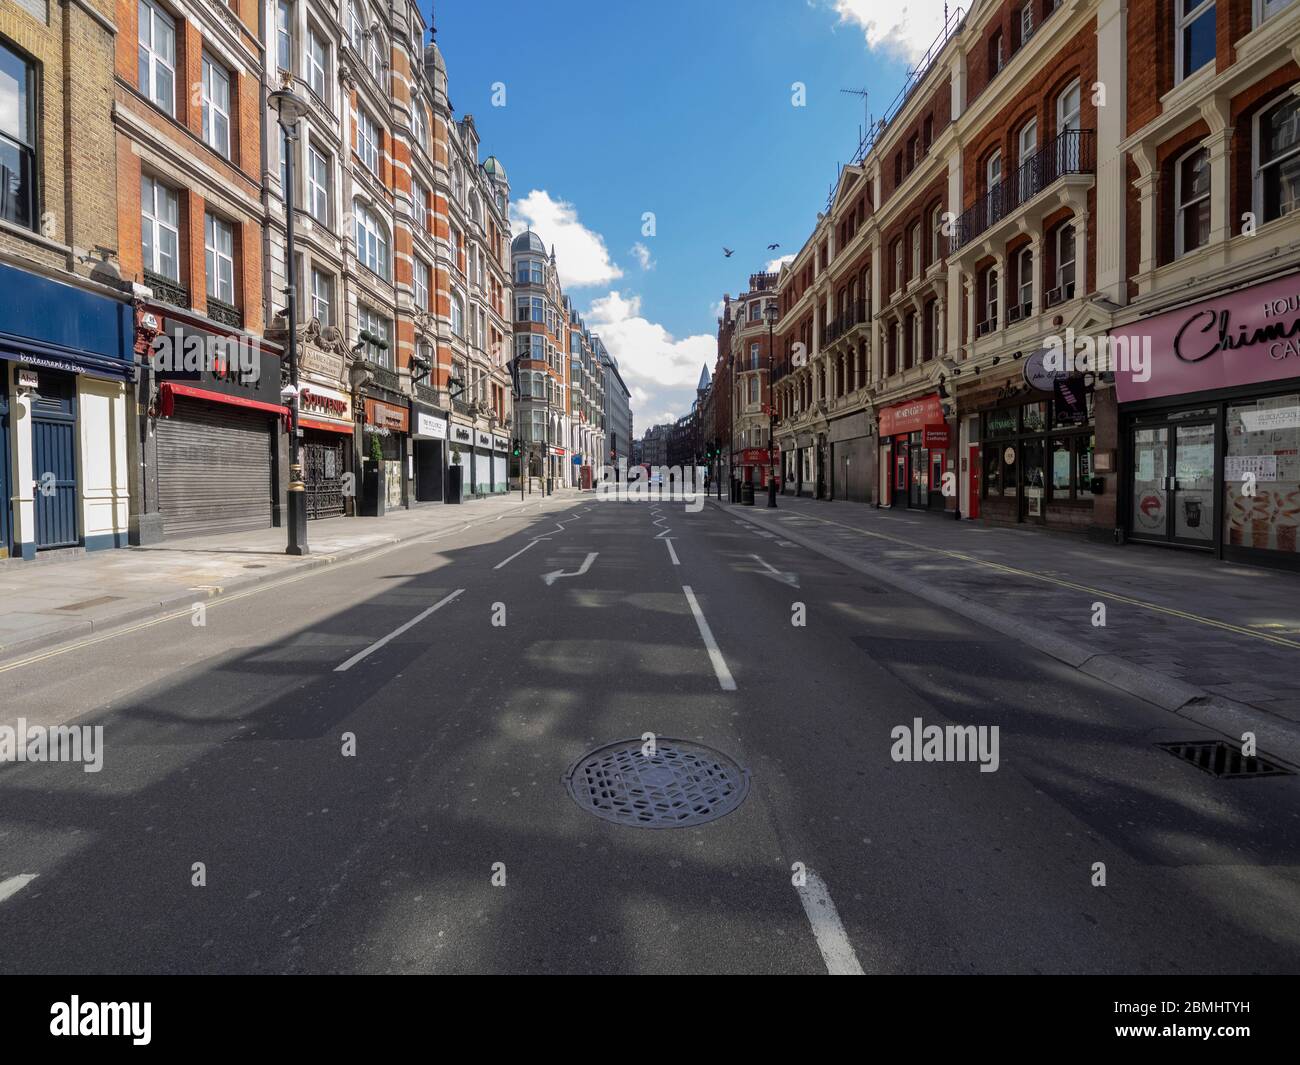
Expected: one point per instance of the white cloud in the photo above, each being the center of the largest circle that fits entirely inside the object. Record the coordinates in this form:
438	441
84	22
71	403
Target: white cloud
580	253
660	370
642	255
906	30
776	264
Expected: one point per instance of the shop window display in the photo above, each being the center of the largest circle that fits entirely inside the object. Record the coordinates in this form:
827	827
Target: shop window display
1263	440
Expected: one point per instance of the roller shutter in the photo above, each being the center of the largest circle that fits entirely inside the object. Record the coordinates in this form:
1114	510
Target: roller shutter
214	469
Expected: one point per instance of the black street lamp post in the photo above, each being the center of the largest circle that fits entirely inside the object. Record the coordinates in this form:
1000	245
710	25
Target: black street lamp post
288	109
771	313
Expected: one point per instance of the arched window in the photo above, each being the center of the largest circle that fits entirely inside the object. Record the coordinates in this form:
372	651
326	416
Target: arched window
372	241
1191	201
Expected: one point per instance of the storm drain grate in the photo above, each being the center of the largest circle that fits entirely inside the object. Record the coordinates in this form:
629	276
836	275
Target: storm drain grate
680	785
1224	760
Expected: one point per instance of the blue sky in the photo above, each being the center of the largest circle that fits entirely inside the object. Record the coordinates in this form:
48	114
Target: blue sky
682	108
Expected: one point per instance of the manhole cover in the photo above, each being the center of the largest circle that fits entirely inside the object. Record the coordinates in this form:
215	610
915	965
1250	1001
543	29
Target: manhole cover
1224	759
682	784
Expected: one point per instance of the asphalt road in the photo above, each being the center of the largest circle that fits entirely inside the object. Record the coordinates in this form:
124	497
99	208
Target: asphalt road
448	842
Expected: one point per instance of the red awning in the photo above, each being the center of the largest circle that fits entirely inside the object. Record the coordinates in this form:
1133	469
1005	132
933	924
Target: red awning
169	390
324	427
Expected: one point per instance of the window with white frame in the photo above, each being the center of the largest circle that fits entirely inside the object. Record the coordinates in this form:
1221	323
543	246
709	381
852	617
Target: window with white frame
916	249
1025	278
216	106
1194	33
375	58
372	241
753	390
1026	22
322	296
1191	201
1068	108
753	356
898	264
318	185
420	278
991	296
368	140
457	182
219	257
156	37
420	206
936	239
356	27
160	233
755	311
374	323
1065	259
1277	158
1268	8
417	124
457	314
318	65
284	34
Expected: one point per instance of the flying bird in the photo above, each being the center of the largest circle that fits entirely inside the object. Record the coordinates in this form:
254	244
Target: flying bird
727	252
773	247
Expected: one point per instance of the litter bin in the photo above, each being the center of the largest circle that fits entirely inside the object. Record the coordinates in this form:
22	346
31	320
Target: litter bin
747	493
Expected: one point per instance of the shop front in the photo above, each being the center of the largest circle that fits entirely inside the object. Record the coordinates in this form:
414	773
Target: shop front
328	444
754	466
462	454
482	463
386	428
66	363
1031	446
428	451
852	460
914	446
500	465
1211	425
212	455
798	465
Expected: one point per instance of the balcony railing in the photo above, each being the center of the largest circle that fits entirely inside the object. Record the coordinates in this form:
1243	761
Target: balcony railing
384	377
225	313
165	290
435	397
858	313
1071	152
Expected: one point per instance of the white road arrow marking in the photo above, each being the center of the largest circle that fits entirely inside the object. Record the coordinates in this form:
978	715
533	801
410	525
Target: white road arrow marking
551	578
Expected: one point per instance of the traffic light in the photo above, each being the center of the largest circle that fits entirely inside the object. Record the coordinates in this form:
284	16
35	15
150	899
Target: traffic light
517	449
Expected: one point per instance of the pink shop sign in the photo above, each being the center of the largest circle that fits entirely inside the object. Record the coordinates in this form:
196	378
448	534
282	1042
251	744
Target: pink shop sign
1240	338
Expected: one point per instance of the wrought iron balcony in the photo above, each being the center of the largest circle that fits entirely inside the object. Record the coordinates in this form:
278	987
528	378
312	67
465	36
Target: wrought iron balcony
384	377
1073	151
225	313
858	313
435	397
165	290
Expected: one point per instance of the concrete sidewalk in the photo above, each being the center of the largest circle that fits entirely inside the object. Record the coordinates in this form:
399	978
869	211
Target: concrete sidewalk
43	604
1214	642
